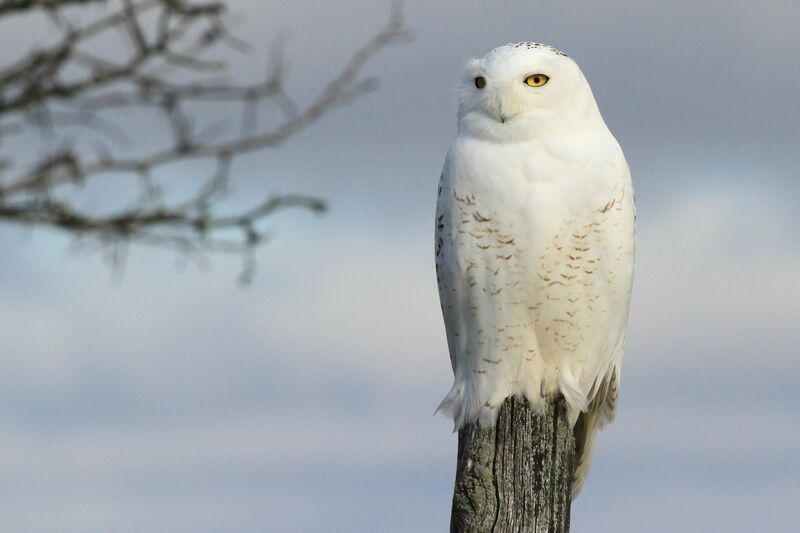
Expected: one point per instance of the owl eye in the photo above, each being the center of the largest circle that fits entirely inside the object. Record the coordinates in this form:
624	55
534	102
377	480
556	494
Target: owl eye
480	82
536	80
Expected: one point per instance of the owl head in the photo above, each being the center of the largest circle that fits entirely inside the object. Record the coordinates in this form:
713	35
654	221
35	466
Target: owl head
523	90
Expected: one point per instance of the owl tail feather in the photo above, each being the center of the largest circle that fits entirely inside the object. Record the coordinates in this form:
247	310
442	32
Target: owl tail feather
585	431
599	414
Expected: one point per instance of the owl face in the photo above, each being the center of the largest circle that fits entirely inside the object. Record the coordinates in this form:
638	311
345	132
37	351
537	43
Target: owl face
522	90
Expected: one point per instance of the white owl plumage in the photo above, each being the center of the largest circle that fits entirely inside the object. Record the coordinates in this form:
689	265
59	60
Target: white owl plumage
534	244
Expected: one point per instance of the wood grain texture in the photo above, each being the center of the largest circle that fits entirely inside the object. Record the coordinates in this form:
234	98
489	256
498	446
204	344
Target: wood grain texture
517	476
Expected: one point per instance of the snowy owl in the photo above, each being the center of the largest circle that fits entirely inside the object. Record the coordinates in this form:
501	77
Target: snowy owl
534	244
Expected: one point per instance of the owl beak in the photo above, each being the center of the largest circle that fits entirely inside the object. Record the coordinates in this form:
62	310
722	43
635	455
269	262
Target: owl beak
495	110
500	114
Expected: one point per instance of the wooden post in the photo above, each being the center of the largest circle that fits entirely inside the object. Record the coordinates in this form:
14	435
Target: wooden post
517	476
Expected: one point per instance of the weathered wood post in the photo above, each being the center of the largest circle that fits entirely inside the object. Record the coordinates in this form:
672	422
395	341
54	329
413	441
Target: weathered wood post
517	476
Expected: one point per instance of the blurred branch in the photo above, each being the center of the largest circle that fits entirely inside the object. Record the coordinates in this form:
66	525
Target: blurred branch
21	6
168	72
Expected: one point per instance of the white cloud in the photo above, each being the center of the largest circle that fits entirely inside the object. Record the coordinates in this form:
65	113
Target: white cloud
716	279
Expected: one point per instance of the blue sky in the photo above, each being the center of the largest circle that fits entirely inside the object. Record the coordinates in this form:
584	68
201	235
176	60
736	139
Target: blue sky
174	400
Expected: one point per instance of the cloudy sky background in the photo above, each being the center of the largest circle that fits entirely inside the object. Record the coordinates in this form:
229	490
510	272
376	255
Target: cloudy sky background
174	400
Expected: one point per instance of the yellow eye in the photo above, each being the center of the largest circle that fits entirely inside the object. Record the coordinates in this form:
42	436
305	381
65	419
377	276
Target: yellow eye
536	80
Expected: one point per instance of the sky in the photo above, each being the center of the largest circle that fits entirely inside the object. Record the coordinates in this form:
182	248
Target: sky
172	399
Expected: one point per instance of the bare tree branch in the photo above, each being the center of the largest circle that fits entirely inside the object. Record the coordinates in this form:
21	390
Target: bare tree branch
169	71
21	6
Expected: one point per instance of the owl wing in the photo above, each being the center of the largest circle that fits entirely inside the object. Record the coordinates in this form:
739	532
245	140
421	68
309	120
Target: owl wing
451	263
446	257
604	391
